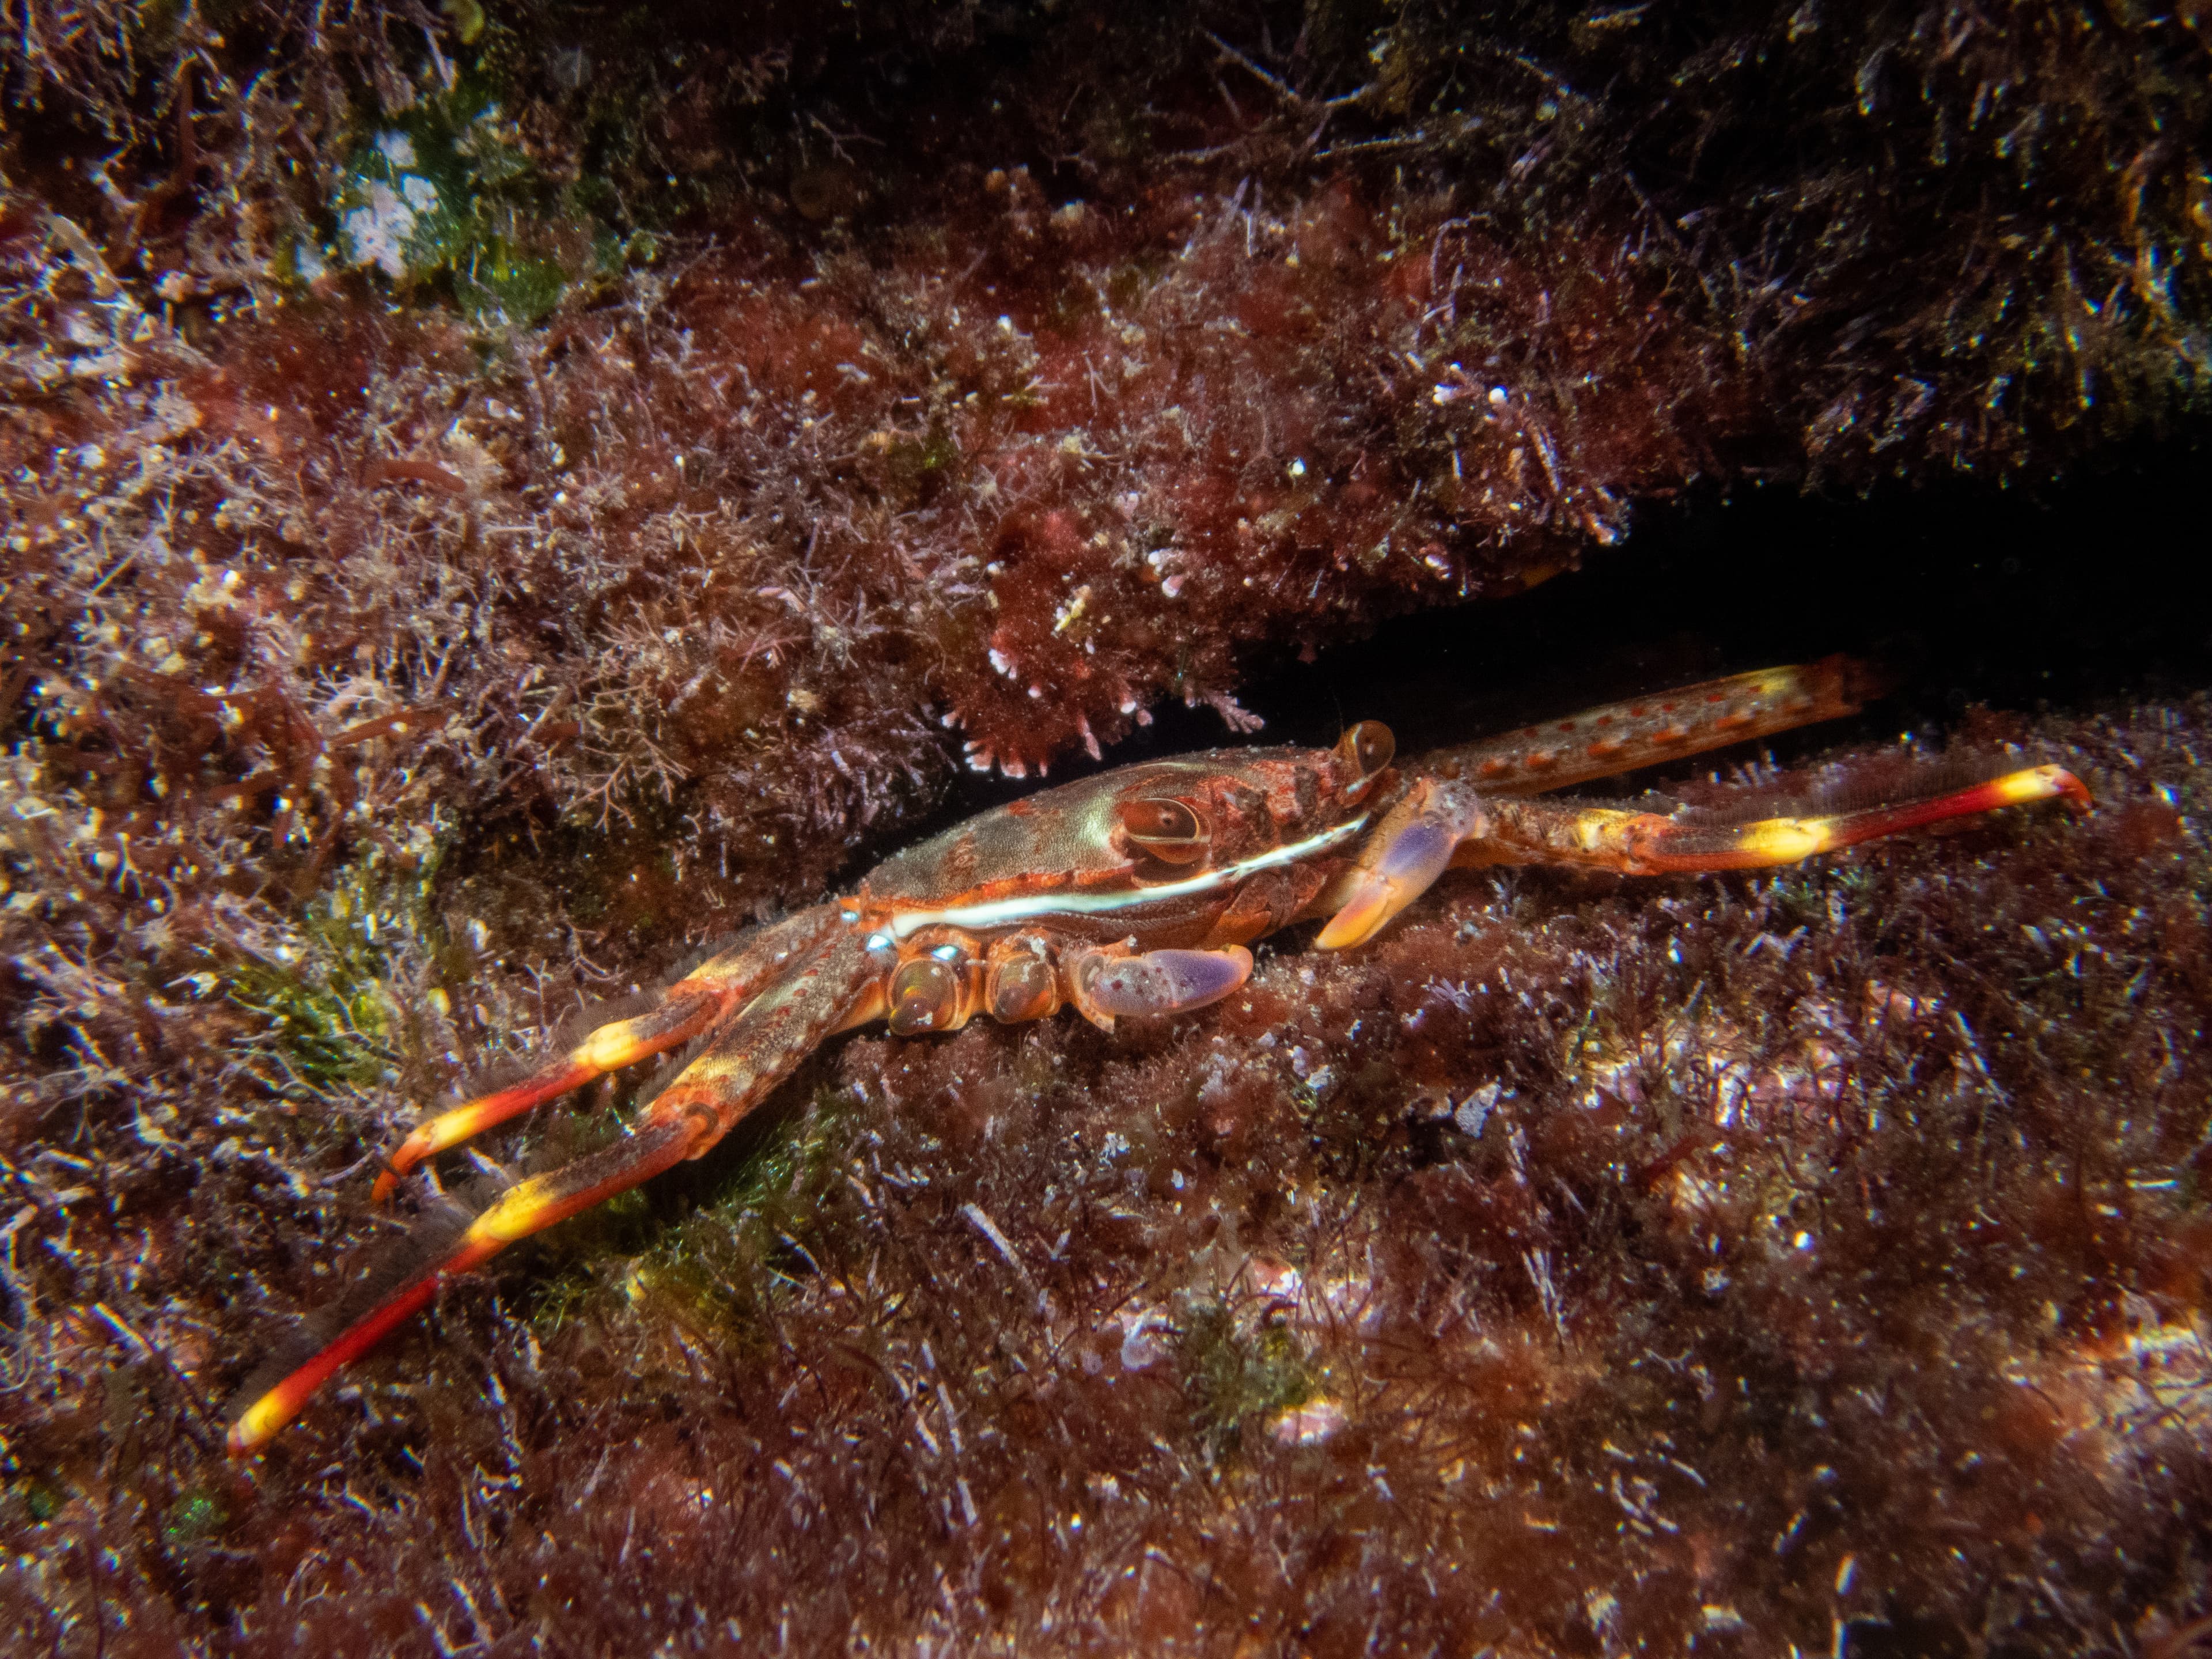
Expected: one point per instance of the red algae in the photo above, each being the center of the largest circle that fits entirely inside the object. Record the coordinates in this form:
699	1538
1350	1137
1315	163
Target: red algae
418	623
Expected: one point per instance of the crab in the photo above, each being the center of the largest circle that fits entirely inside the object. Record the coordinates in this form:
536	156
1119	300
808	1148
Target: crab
1136	894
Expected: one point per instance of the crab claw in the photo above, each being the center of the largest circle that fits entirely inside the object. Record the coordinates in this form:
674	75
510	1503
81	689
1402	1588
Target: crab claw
1412	848
1109	982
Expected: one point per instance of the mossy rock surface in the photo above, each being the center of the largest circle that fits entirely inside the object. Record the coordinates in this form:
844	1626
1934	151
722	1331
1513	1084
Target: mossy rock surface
494	499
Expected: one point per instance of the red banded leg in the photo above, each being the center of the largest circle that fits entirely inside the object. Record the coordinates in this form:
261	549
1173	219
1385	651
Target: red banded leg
520	1210
756	1051
1441	822
689	1006
1650	843
765	1044
1621	737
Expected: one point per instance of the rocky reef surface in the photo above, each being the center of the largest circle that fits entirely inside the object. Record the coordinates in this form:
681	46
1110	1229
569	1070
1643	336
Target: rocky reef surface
494	497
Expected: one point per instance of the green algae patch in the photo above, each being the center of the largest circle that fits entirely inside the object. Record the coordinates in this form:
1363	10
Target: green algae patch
1235	1376
446	199
196	1517
752	1233
331	1020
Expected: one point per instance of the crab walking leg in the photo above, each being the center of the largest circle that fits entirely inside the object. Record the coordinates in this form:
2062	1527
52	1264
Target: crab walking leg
754	1052
1649	843
605	1049
690	1005
522	1210
1441	823
765	1044
1621	737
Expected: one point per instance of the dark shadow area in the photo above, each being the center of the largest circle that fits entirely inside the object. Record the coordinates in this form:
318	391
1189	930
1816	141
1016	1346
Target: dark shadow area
2092	589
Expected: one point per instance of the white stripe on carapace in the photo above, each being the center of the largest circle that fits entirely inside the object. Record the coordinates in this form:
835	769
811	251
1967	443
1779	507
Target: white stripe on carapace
1007	913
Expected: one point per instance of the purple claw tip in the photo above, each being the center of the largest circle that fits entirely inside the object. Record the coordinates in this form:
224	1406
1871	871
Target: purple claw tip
1417	855
1169	981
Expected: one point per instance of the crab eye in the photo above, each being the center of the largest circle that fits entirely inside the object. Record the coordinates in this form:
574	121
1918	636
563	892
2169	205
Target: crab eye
1369	746
1168	829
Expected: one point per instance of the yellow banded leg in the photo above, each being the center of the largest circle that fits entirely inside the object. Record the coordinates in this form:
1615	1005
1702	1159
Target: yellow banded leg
765	1044
521	1211
1441	823
689	1007
607	1049
1661	844
1652	843
756	1051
